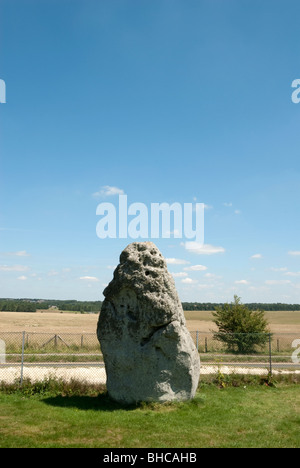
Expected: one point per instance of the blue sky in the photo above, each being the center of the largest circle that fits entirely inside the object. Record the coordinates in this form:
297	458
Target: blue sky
167	101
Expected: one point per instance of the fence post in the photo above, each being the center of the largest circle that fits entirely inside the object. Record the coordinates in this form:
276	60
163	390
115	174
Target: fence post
197	340
22	358
270	353
2	352
206	344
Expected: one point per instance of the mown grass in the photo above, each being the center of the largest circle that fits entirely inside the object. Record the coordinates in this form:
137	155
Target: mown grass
243	414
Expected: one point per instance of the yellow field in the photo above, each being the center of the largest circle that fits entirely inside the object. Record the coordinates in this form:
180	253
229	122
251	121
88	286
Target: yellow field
48	322
56	322
279	321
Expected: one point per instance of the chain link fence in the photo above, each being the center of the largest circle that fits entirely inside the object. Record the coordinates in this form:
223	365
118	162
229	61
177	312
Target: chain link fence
71	356
248	353
37	356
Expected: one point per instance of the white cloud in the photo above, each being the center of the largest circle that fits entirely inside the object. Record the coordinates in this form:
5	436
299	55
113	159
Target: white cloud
22	278
20	253
196	268
108	191
258	288
294	252
203	249
205	286
291	273
89	278
188	281
237	212
279	269
53	273
212	276
256	256
176	261
13	268
228	205
182	274
242	282
277	282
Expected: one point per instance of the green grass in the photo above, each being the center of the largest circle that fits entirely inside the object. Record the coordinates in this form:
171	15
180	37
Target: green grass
255	416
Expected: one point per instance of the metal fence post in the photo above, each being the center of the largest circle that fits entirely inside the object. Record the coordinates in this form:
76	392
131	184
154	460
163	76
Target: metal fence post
22	358
270	352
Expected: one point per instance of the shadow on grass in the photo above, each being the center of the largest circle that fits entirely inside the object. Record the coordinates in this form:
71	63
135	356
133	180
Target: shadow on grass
103	402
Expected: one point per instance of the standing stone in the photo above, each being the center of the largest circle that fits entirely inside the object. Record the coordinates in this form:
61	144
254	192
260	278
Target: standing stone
148	352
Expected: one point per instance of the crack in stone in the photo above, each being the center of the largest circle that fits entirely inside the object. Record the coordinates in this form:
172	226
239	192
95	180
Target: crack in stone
154	330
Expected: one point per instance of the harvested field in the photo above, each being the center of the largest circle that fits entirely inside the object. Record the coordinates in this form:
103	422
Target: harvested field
280	321
48	322
68	322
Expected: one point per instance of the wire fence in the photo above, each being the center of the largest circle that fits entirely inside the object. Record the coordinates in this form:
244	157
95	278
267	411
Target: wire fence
74	356
38	356
248	353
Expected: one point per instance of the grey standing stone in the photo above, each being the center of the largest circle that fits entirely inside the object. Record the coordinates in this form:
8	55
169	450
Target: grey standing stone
149	354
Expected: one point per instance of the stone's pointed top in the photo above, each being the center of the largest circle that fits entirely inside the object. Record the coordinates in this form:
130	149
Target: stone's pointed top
143	268
143	254
142	247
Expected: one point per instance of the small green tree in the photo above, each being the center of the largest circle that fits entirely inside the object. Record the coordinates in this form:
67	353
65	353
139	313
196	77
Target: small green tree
240	328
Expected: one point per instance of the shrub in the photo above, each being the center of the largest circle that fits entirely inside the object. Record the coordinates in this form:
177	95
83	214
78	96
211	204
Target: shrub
240	328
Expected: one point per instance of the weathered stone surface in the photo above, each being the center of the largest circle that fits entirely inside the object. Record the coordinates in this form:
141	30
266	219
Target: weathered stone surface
148	352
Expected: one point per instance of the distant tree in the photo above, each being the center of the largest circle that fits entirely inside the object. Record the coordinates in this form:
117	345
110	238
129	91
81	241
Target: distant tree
240	328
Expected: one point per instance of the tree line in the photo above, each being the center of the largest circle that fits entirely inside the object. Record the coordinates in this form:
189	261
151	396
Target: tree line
251	306
32	305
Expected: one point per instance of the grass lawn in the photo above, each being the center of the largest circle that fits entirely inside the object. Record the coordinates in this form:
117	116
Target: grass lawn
255	416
